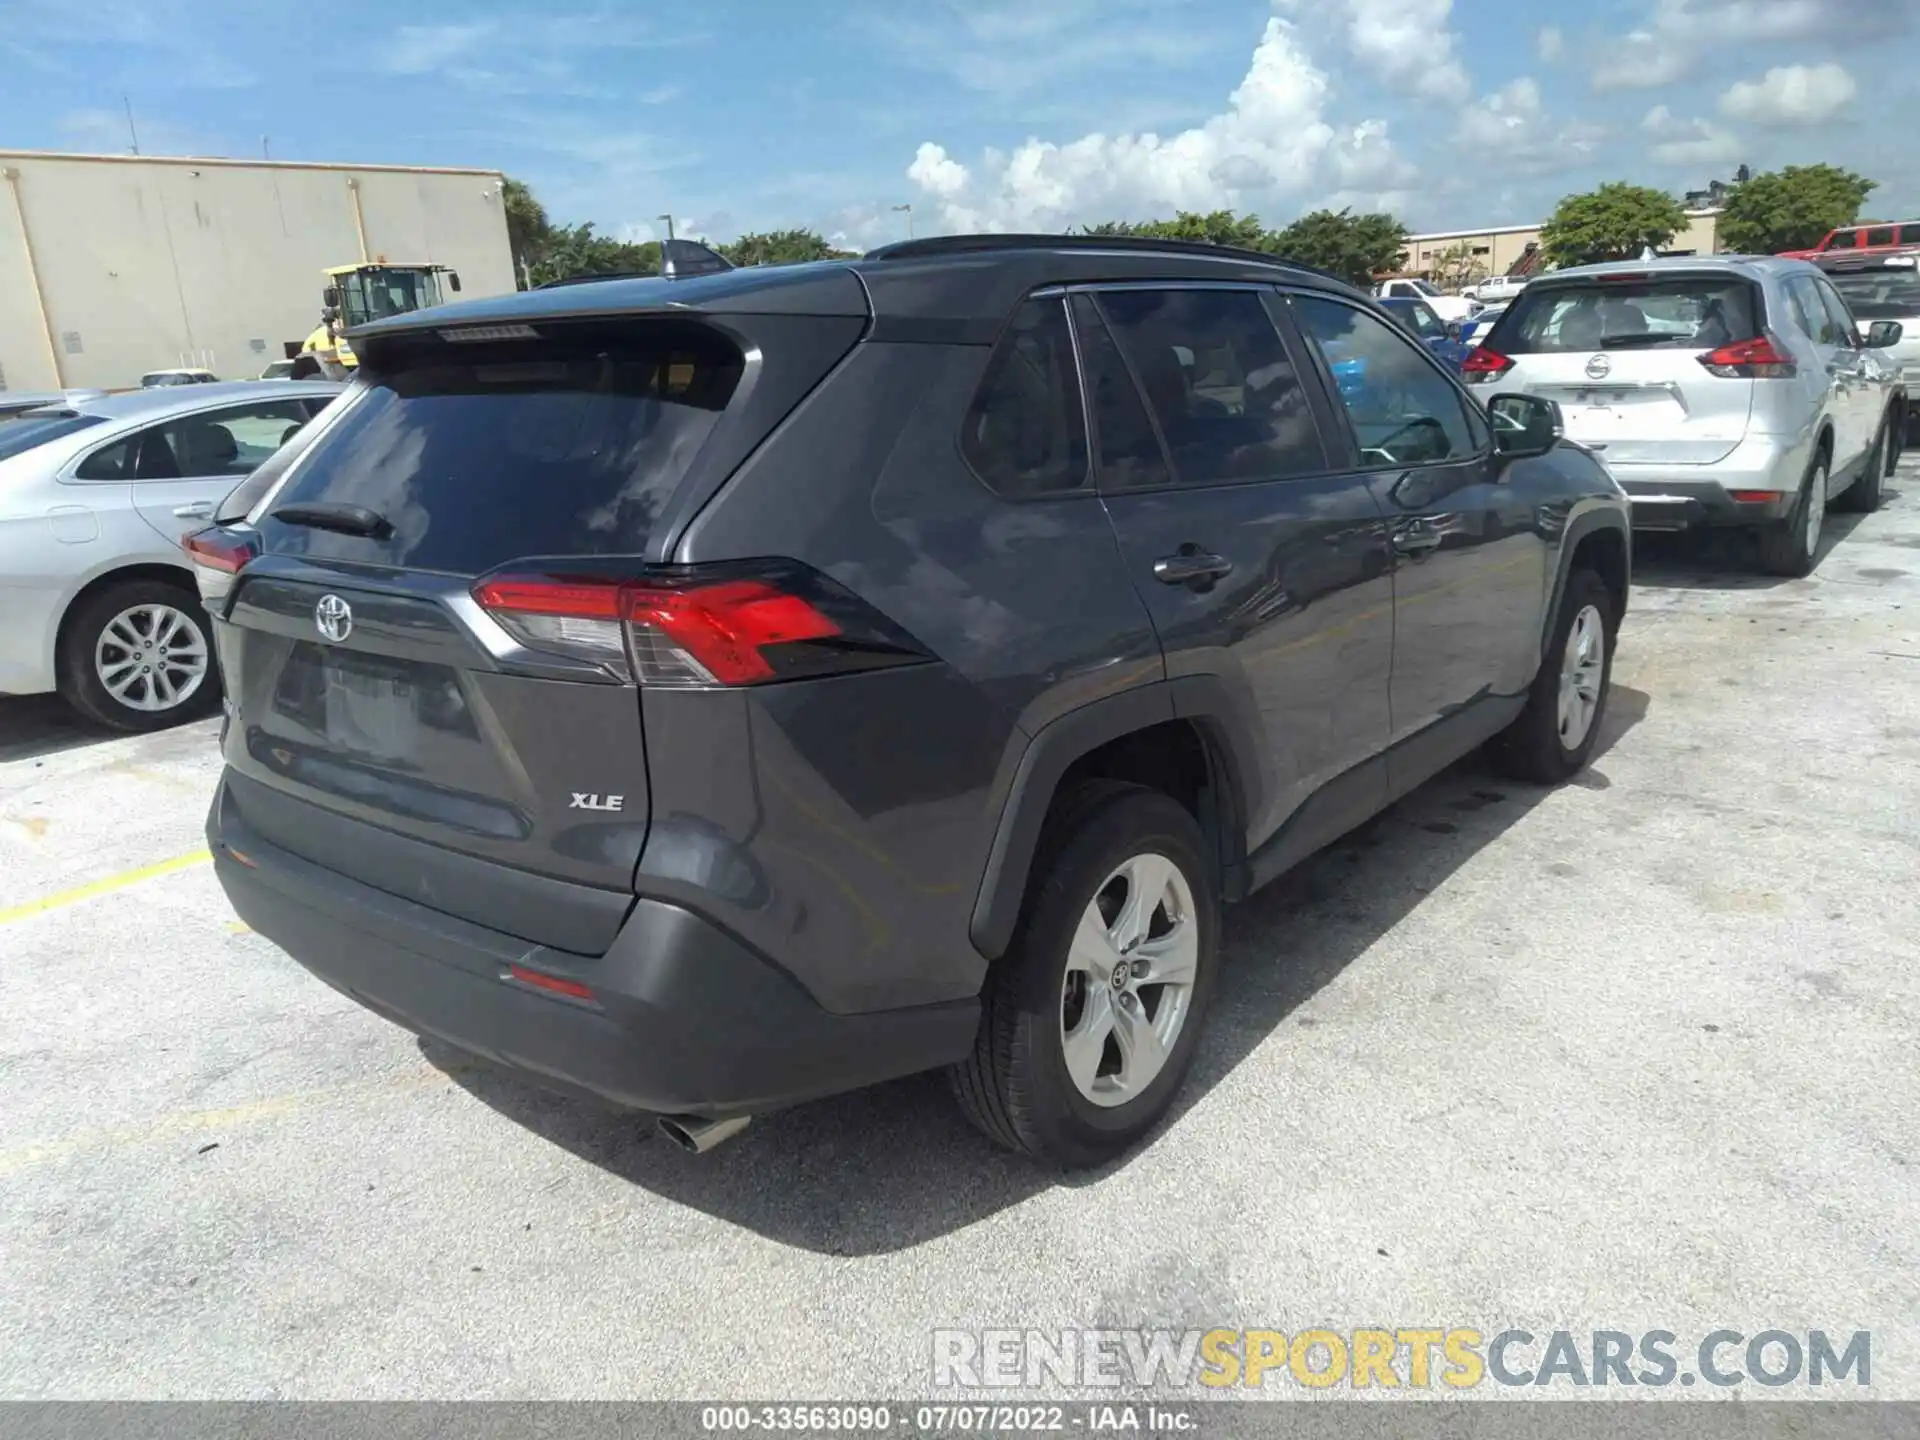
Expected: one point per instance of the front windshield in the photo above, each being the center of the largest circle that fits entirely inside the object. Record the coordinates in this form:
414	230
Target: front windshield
376	294
1426	324
1425	287
1889	294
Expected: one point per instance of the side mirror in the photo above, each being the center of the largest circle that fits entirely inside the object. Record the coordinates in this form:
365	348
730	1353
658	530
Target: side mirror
1453	330
330	297
1524	425
453	281
1883	333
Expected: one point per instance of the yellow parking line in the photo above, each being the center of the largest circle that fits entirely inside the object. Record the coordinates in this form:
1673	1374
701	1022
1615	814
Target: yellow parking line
96	888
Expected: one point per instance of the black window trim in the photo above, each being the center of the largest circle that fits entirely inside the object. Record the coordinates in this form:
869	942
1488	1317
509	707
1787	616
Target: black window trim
1483	453
1089	475
1292	344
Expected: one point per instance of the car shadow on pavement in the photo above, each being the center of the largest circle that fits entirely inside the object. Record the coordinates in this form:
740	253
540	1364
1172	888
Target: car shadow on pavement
35	726
894	1166
1727	559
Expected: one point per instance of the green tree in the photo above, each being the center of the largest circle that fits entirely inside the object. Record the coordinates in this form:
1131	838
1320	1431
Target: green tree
529	231
574	251
1615	222
1791	209
1457	267
1218	227
1354	247
780	247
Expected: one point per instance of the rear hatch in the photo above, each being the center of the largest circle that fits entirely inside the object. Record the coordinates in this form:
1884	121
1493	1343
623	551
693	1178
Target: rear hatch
400	714
1622	354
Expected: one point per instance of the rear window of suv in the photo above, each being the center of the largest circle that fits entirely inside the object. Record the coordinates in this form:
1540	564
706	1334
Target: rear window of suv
477	454
1683	312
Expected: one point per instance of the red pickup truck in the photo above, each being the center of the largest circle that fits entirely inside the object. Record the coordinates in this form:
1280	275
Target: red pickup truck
1862	239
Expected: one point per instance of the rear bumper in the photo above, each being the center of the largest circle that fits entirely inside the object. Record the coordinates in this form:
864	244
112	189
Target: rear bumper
1677	497
684	1018
31	612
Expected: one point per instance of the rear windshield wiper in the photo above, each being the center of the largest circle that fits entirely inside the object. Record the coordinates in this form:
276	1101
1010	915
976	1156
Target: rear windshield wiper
325	515
1649	338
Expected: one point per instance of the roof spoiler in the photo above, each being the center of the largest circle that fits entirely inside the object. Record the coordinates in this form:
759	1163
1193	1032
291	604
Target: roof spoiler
682	259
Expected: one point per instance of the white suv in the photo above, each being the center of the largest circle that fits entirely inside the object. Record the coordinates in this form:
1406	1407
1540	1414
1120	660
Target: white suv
1451	308
1724	390
1886	287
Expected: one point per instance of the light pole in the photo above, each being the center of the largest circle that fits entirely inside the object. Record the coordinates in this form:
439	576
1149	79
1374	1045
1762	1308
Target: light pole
908	211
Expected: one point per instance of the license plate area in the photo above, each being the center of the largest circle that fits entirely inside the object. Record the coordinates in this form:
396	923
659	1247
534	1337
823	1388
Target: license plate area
371	706
1598	412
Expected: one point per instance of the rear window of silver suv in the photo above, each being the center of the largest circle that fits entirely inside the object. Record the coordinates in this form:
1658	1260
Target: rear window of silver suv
1685	312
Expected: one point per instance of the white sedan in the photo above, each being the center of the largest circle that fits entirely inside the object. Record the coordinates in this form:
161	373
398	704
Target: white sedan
97	599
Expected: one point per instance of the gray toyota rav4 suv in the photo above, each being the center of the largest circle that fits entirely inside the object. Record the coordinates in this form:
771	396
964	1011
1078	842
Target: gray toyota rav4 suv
721	691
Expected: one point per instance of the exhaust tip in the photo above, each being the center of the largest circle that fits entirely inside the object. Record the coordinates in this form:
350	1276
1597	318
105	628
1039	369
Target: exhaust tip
697	1136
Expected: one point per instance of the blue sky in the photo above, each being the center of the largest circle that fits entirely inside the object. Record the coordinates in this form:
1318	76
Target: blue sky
756	114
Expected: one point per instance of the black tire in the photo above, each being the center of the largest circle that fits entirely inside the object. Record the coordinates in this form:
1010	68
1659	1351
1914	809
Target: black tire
79	680
1532	748
1015	1086
1863	496
1784	549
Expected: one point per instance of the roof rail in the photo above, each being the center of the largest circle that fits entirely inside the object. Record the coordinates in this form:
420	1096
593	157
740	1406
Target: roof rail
590	279
934	246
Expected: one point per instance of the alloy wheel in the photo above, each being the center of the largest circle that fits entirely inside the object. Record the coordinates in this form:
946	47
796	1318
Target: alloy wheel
1582	667
151	657
1128	989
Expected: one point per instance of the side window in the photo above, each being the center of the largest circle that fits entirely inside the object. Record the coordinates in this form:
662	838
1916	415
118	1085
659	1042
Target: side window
232	442
1845	240
110	462
1809	317
1127	450
1403	411
1910	234
1217	379
1881	236
1837	312
144	455
1024	433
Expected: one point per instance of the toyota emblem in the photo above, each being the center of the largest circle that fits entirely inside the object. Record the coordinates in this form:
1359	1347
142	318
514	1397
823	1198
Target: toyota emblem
1599	367
333	618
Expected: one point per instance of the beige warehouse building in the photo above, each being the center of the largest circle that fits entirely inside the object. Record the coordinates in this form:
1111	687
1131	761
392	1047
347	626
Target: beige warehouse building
1501	247
114	265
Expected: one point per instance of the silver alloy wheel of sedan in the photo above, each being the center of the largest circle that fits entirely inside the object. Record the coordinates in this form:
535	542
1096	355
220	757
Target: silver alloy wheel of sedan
1129	983
151	657
1583	665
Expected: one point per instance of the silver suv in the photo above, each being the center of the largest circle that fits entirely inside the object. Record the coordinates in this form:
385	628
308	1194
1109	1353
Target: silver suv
1723	390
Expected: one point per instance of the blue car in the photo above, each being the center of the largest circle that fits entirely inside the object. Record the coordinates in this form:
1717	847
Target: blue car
1419	317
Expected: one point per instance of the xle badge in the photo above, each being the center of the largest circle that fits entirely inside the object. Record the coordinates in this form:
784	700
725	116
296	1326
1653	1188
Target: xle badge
596	802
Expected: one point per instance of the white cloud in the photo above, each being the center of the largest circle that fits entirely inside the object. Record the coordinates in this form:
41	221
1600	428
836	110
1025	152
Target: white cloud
1677	33
1552	44
1013	48
1407	43
420	49
1791	95
1693	143
1273	143
1511	127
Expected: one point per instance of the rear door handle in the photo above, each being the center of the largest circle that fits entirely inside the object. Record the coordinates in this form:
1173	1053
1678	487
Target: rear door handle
1193	567
1416	539
198	510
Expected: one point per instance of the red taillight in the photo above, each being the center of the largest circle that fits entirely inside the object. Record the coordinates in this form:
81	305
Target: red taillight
682	634
218	549
722	629
1754	497
1756	359
559	985
1484	365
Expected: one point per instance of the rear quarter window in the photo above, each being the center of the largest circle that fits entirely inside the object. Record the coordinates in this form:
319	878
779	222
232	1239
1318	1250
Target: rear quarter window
477	454
1683	312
